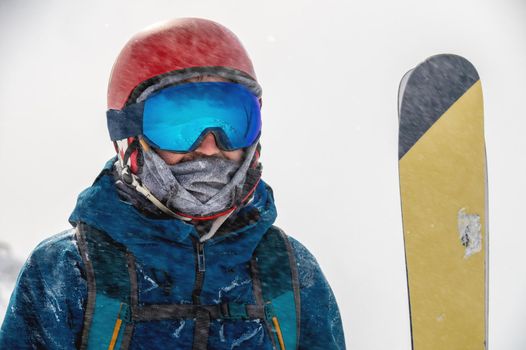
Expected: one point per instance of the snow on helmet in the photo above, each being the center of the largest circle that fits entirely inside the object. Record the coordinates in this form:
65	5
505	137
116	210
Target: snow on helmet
169	52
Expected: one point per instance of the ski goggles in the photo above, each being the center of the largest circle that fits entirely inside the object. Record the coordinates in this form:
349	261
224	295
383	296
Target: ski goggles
177	118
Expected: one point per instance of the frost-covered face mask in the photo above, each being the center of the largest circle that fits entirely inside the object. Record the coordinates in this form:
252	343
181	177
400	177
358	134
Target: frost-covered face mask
200	187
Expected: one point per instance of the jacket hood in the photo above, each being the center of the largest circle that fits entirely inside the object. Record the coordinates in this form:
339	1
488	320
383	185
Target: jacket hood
100	207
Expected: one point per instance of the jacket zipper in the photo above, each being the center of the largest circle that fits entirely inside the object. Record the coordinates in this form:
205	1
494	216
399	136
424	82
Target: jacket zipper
200	268
201	263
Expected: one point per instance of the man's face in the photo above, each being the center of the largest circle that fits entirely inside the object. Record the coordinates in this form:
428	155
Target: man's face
208	147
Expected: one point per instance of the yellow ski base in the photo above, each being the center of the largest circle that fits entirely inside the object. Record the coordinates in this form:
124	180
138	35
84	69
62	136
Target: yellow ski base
443	191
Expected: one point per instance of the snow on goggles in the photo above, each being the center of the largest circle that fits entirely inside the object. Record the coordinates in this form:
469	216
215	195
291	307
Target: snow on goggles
177	118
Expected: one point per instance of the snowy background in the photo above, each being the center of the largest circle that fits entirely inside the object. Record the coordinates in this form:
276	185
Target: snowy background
330	73
9	267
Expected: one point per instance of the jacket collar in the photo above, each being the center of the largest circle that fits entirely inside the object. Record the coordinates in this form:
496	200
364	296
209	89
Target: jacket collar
100	207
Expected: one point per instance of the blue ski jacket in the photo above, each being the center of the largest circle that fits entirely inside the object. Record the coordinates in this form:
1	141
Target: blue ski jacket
47	307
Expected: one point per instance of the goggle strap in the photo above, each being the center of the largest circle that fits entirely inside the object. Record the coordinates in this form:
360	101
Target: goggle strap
126	122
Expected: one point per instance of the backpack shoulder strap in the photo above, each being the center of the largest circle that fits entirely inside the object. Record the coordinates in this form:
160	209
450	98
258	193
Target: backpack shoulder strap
107	319
277	276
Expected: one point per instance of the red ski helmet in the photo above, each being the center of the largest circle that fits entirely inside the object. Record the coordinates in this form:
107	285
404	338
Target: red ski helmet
182	48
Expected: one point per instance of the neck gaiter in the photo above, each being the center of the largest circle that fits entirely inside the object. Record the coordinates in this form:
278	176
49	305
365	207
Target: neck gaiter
200	187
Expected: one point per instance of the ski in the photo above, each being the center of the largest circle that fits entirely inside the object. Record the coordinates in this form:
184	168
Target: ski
443	188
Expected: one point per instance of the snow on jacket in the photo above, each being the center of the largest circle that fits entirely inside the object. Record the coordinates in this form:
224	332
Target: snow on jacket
47	307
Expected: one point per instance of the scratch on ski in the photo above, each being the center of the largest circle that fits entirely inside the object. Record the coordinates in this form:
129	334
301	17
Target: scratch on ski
469	231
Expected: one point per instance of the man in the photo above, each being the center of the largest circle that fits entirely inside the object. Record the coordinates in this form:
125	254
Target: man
173	245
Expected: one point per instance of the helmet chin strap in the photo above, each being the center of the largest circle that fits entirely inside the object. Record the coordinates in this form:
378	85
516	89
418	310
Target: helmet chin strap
215	226
132	180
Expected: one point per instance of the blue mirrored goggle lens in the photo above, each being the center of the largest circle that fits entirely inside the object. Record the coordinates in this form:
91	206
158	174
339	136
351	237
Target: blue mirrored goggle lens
178	117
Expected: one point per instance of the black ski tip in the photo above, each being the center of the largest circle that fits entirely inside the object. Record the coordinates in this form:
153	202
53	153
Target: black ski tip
427	92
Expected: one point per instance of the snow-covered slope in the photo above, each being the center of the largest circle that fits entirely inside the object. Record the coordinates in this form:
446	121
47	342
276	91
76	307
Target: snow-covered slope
9	268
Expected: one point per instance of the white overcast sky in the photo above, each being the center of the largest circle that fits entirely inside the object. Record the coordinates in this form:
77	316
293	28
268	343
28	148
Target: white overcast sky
330	72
